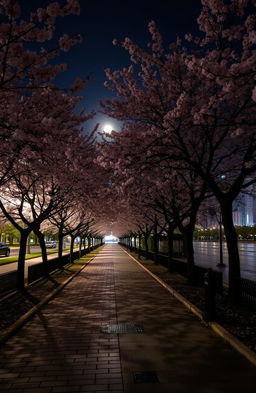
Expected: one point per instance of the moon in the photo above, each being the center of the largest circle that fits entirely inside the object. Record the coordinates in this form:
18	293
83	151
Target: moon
107	128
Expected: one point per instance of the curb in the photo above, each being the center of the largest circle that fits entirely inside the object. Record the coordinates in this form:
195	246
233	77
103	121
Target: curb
235	342
218	329
9	332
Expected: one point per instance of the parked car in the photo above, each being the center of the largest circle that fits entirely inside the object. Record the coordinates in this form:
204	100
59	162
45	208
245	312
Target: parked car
4	249
50	244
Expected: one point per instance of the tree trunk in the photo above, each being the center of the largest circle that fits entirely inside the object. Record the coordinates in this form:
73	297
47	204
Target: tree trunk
189	252
170	248
21	261
40	237
80	247
155	243
88	243
139	250
60	245
146	244
130	243
71	248
233	253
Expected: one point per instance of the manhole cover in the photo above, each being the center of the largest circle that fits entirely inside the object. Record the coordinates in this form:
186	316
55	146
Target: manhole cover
145	377
123	328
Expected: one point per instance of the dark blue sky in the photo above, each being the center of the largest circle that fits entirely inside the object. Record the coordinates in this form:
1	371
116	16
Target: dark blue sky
102	21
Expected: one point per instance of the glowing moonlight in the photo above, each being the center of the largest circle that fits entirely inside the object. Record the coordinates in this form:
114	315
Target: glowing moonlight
107	128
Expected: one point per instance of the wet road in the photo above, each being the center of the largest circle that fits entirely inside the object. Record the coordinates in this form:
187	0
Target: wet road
207	254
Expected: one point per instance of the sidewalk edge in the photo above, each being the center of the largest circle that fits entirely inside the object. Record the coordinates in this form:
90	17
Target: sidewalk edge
218	329
9	332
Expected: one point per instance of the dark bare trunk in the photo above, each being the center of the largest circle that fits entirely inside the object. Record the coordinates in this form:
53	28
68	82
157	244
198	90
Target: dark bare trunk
130	243
233	253
60	245
21	261
139	250
170	248
71	248
80	247
40	237
146	244
155	243
189	252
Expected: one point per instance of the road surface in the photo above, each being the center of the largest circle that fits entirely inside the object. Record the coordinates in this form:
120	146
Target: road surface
13	266
33	249
207	254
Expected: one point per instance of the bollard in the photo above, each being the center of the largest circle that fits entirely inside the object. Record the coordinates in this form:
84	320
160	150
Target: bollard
210	292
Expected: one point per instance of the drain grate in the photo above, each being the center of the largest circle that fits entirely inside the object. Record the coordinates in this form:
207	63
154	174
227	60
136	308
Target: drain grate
123	328
145	377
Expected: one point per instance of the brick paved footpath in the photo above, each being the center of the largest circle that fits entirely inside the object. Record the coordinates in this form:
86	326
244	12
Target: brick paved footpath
63	349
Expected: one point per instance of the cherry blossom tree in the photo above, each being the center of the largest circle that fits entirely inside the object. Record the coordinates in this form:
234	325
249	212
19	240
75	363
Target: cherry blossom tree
157	194
26	66
38	122
198	105
26	207
43	180
223	111
134	187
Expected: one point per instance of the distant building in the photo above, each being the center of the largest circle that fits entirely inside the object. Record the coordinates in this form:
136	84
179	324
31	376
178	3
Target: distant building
244	211
237	217
244	208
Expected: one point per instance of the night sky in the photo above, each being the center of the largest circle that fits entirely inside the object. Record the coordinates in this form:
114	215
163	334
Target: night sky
102	21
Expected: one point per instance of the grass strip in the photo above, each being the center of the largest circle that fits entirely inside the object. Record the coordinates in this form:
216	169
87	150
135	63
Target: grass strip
6	260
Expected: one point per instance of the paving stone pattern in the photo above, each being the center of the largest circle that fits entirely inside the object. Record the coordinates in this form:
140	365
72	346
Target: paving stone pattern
63	348
70	347
175	346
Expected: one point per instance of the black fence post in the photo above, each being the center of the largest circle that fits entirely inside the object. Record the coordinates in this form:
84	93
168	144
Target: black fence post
210	293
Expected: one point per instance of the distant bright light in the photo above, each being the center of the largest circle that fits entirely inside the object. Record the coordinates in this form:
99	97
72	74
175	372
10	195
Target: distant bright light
107	128
110	239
